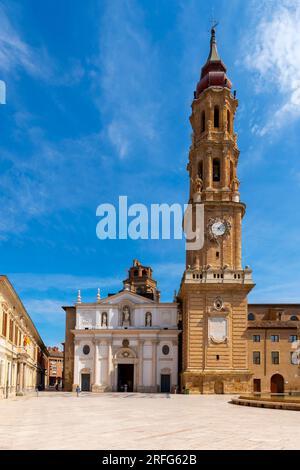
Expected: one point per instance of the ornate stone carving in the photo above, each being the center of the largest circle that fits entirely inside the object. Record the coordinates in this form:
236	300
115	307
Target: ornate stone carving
235	184
217	329
213	222
148	319
197	185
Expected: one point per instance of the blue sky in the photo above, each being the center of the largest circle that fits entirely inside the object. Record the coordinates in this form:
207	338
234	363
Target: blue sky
98	105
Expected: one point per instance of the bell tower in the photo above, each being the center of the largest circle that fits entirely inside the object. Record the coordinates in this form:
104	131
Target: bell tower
214	286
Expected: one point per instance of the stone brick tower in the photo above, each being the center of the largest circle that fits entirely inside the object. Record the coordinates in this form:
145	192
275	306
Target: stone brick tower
214	286
141	282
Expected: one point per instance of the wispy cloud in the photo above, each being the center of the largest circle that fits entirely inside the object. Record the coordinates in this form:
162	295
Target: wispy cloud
62	282
274	57
16	54
46	177
128	67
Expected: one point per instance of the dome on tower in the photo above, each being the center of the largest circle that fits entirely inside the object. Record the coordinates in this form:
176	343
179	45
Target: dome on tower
213	73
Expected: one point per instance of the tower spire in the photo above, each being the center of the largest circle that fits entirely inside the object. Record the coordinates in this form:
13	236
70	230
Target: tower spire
213	73
213	53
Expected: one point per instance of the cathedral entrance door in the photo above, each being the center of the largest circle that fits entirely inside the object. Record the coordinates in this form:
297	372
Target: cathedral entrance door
125	377
85	382
165	383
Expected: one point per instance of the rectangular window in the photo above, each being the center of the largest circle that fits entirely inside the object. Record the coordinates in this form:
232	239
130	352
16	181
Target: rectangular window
256	338
256	357
11	330
275	357
275	338
16	335
4	324
293	338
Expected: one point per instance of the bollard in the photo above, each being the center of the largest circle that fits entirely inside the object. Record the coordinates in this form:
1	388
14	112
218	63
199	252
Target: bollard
37	392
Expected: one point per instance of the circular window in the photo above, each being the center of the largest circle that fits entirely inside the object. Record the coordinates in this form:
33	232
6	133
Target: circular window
86	349
125	343
165	349
218	303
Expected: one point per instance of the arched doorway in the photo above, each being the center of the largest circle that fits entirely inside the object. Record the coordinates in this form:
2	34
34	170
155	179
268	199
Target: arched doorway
219	387
277	383
125	362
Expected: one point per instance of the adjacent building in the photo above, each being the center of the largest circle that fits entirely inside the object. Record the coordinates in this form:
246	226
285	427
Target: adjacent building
55	367
23	355
273	333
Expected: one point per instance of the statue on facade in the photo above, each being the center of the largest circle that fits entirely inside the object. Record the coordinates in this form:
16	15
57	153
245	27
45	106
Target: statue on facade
235	184
104	319
198	185
148	319
126	316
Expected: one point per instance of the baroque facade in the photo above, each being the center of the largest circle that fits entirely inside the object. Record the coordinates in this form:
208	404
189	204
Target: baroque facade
125	342
23	355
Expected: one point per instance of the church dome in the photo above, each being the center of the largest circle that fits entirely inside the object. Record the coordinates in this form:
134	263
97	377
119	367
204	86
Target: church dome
213	73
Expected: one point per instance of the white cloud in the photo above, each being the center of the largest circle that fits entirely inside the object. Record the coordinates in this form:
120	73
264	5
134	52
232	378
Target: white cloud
128	69
274	55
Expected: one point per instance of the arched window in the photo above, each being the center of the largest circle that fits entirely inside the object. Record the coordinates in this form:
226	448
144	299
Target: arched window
251	316
294	318
228	121
216	117
200	169
216	169
203	121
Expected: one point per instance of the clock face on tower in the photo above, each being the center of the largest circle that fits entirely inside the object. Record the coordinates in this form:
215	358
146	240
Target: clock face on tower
218	228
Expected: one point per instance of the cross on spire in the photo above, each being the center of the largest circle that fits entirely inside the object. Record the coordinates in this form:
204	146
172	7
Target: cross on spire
214	23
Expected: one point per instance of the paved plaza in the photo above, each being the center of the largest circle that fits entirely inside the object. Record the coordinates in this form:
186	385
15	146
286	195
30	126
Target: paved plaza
137	421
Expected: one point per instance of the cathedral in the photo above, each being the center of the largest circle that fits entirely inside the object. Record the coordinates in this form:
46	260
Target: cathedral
209	340
126	342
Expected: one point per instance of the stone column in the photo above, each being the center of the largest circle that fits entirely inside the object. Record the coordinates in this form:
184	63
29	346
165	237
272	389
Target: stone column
225	170
238	235
76	380
154	364
21	376
174	376
96	363
110	366
141	360
24	380
209	170
210	119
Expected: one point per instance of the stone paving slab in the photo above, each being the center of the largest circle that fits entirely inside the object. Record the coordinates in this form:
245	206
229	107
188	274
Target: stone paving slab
57	420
